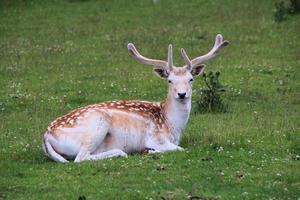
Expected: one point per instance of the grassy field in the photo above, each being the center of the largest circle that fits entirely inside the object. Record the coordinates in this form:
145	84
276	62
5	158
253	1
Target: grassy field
60	55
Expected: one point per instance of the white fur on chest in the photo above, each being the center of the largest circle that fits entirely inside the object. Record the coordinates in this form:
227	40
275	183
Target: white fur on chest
178	117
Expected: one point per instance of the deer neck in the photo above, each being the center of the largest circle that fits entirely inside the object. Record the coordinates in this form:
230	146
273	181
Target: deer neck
177	114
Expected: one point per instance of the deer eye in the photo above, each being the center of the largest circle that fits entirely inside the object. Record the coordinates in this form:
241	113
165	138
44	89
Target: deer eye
169	81
191	80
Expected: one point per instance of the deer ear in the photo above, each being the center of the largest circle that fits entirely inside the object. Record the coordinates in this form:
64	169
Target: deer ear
162	73
198	70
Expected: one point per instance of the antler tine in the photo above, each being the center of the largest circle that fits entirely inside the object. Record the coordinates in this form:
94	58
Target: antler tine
219	43
186	59
136	55
170	57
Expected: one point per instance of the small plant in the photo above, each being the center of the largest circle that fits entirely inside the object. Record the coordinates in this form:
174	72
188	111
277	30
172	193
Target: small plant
294	6
209	99
280	11
283	8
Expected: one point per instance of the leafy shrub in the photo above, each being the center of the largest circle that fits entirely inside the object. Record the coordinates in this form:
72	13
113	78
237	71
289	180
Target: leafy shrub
283	8
294	6
280	11
209	98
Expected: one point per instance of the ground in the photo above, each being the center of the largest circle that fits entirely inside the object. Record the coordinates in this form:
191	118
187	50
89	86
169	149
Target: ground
62	54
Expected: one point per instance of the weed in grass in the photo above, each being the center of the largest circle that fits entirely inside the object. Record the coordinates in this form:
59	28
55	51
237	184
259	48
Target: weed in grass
283	8
209	98
294	6
280	11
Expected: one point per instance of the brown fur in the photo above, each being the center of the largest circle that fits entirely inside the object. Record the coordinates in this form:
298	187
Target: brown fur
180	71
142	108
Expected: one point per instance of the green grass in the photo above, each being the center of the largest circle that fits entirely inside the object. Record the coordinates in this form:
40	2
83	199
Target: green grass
59	55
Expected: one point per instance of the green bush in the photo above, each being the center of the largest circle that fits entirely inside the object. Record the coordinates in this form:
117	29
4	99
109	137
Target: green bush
294	6
209	98
280	11
283	8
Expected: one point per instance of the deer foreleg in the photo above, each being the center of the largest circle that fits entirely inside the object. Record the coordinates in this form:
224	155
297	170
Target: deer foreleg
82	156
155	147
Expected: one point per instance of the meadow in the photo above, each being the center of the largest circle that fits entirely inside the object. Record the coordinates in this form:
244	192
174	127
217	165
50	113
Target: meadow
62	54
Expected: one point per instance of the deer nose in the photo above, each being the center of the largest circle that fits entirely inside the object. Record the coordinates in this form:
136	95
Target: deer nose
181	95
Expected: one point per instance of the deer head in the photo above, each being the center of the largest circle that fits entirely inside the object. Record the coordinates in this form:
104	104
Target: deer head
179	78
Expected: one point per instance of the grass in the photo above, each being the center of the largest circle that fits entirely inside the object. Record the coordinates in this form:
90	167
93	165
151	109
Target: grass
59	55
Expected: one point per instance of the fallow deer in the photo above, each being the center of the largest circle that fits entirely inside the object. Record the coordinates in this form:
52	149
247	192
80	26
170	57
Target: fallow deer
116	128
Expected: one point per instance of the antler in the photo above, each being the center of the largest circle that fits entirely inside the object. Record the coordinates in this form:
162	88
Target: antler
170	58
219	43
157	63
186	59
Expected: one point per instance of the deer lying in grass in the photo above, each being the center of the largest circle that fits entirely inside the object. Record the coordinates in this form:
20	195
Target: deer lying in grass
116	128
